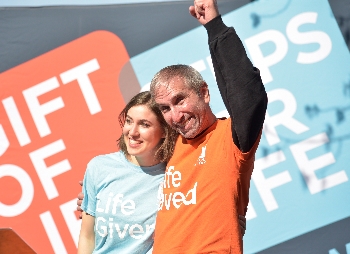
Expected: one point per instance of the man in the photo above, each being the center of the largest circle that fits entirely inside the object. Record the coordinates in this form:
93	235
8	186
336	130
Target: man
207	180
206	185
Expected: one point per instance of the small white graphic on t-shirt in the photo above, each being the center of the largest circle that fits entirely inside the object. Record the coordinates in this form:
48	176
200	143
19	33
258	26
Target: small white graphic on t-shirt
201	158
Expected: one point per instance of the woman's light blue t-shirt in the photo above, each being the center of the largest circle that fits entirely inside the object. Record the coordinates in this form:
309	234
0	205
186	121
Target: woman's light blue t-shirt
123	198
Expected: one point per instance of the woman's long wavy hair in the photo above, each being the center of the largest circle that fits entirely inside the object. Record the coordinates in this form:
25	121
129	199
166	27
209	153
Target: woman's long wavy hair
167	144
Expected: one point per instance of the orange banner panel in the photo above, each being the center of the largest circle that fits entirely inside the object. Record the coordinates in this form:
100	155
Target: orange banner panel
57	112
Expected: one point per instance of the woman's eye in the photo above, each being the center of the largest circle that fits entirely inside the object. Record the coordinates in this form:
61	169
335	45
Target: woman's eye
128	121
146	125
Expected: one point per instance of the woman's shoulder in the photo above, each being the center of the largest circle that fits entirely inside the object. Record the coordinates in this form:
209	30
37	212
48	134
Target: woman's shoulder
106	160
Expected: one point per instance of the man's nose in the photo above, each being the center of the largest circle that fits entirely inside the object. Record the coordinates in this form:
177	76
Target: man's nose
176	115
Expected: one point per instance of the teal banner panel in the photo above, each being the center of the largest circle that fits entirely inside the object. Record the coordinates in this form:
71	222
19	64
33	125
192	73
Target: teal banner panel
301	177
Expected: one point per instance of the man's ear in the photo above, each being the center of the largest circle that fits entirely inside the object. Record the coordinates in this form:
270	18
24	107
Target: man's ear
205	92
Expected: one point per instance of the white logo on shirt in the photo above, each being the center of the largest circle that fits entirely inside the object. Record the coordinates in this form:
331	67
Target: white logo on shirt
201	159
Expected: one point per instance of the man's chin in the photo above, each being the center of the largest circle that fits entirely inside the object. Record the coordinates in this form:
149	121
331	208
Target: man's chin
189	134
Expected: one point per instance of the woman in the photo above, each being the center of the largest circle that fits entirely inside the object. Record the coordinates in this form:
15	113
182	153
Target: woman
120	189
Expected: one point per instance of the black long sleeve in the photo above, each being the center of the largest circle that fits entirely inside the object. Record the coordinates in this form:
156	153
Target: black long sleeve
239	83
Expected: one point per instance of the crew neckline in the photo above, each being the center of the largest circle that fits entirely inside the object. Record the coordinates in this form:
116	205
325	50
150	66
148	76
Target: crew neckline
150	169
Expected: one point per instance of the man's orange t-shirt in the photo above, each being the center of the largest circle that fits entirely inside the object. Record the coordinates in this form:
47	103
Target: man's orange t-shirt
206	187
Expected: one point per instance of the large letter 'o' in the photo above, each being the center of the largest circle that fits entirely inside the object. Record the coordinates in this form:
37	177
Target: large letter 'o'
27	190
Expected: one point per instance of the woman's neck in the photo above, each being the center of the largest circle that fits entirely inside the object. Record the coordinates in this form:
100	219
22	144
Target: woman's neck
142	162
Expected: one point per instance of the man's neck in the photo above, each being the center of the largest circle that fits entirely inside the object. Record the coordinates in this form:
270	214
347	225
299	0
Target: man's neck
211	119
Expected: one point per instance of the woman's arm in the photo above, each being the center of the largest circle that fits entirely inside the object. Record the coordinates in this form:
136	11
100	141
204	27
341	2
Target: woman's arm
87	234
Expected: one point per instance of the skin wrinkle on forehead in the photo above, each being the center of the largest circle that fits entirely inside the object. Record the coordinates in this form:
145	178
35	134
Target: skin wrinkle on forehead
167	90
167	78
166	83
164	87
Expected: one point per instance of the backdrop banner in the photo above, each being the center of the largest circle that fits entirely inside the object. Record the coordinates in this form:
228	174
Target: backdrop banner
65	76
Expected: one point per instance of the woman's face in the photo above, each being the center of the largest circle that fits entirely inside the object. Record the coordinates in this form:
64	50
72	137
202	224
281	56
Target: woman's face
142	134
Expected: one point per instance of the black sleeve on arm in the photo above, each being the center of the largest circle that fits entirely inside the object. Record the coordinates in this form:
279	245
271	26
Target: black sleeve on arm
239	83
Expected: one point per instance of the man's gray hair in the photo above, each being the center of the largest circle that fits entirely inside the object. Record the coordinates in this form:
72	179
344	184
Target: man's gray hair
191	77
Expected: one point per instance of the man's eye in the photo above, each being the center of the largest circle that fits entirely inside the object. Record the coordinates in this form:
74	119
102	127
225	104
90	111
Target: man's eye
127	121
179	100
164	109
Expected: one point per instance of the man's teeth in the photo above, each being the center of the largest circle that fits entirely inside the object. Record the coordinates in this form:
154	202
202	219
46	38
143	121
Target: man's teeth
185	123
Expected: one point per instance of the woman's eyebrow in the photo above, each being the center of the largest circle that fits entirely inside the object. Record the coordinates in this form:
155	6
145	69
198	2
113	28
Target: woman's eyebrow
144	120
